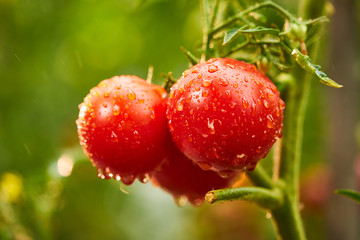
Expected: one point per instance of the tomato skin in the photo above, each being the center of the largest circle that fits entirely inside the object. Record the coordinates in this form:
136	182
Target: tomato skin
185	180
225	115
122	127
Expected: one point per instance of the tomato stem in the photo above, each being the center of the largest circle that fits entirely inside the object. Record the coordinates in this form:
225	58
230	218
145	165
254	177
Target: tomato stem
268	199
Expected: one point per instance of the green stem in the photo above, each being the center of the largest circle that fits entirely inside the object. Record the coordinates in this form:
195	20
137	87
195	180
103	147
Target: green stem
288	217
260	178
268	199
288	221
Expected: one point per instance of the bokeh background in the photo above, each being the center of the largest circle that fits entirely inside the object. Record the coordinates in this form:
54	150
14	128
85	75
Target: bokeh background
52	52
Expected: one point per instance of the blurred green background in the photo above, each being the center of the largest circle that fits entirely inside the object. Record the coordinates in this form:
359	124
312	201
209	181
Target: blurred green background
52	52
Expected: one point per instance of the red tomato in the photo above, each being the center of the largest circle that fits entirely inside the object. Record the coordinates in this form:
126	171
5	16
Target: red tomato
186	181
225	115
122	128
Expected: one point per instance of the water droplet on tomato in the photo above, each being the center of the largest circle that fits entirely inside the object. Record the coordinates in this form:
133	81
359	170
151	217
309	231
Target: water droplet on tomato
179	106
181	201
206	83
224	82
270	121
131	95
213	69
204	166
266	104
205	94
126	115
106	95
230	66
114	137
117	177
128	179
116	110
225	173
144	178
245	103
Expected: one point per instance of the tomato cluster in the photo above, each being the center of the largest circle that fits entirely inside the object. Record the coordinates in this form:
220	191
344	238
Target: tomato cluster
222	116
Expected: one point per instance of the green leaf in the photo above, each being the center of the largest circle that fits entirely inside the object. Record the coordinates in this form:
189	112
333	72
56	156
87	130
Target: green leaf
230	35
304	61
261	29
349	193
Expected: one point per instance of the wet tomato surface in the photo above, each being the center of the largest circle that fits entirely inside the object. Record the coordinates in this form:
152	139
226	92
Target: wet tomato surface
225	115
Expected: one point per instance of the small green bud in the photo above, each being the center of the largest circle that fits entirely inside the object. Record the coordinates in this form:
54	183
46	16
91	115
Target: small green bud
297	31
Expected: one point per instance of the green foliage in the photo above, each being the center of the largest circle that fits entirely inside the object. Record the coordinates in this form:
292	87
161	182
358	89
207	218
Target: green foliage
349	193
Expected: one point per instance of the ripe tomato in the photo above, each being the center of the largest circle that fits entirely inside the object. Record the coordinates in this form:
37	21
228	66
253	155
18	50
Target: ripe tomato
186	181
225	115
122	127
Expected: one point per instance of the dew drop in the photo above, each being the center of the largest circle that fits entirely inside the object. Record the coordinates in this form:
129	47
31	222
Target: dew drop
245	103
144	178
213	69
190	139
171	94
128	179
179	106
171	127
228	94
205	94
282	105
141	101
186	123
199	76
204	166
126	115
231	66
270	121
197	202
181	90
206	83
268	215
106	95
116	110
224	82
131	95
117	177
266	104
235	85
225	173
181	201
191	111
105	105
277	112
114	137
